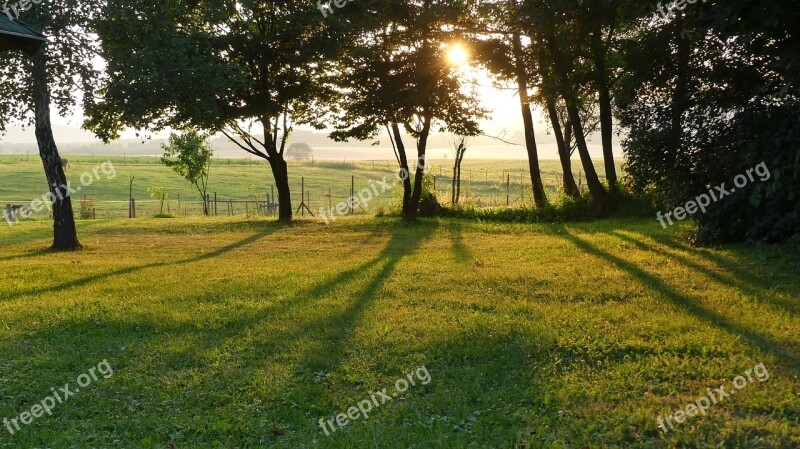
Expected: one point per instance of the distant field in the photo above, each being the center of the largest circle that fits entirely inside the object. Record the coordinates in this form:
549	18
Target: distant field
484	182
228	333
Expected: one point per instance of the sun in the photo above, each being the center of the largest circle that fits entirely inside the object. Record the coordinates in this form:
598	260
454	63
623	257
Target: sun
457	55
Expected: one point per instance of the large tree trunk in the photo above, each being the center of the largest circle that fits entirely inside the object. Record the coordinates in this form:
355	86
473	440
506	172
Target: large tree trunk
606	129
65	237
281	174
539	196
570	188
404	170
422	145
606	118
599	195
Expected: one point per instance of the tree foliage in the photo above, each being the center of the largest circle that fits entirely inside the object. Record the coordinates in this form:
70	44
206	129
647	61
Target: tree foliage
189	155
707	95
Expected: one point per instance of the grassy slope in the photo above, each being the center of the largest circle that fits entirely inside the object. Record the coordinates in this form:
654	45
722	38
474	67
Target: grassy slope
549	335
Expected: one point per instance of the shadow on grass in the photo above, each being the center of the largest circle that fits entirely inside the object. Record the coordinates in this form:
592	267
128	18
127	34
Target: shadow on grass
363	282
743	281
460	251
765	343
127	270
143	336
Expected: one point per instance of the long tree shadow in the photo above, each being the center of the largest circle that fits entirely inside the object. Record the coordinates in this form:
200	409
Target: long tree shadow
765	343
460	251
732	266
329	327
751	288
128	270
397	249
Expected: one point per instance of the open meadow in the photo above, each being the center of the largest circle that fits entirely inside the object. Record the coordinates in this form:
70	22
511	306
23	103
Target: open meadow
233	333
484	183
399	224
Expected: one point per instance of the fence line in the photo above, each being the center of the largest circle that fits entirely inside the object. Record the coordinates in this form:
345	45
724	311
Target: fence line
482	191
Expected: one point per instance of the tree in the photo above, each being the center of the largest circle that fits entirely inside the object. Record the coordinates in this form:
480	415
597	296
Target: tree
192	160
161	195
602	23
556	28
503	52
251	70
300	151
394	74
55	73
715	94
460	144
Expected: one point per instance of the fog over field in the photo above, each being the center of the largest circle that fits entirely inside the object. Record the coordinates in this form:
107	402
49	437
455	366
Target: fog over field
73	140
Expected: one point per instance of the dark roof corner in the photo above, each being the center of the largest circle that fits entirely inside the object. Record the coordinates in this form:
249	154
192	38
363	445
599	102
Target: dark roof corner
16	35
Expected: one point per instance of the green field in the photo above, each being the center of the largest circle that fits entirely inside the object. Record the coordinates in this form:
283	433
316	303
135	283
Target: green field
230	333
484	183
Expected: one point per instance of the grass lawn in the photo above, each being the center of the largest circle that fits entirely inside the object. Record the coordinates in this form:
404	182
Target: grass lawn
227	333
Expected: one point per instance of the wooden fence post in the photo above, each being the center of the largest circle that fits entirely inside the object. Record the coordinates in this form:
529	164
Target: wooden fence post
508	186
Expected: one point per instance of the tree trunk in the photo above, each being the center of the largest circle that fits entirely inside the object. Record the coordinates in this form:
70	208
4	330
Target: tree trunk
599	195
461	149
606	119
539	196
570	188
65	237
404	170
422	145
281	174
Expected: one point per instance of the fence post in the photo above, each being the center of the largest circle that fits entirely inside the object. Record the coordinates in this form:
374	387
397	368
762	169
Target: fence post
434	183
215	204
352	193
133	207
508	186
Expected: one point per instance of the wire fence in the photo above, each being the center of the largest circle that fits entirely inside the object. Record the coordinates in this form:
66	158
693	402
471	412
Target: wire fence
479	188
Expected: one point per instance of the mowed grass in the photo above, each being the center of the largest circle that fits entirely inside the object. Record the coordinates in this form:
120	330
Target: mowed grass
227	333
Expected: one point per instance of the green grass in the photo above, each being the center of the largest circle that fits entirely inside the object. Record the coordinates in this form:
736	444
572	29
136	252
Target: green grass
220	331
483	183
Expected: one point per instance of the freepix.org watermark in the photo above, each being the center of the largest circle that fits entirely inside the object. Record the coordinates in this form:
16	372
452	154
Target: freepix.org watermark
714	396
13	10
59	396
376	400
326	7
49	199
701	202
364	196
671	7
